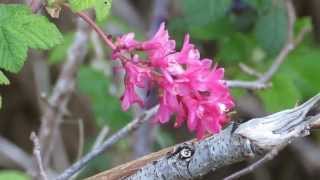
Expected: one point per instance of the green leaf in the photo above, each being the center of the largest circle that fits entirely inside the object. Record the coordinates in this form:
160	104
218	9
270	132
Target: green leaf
271	30
3	79
102	7
282	95
13	51
20	29
206	11
13	175
39	33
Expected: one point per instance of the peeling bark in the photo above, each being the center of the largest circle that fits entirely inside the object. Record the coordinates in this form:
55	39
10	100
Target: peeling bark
196	158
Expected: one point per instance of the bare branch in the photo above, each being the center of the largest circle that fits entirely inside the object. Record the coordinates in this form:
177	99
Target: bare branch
15	154
62	91
250	71
290	45
37	156
100	138
107	143
193	159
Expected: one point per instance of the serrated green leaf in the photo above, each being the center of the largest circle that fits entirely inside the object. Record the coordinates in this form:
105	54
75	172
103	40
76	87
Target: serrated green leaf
206	11
3	79
39	33
10	12
271	30
13	51
102	7
20	29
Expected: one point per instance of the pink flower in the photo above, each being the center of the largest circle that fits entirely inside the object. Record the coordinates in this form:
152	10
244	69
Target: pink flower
159	47
189	88
136	76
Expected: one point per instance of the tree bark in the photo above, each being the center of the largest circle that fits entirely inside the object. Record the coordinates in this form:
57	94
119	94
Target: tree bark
196	158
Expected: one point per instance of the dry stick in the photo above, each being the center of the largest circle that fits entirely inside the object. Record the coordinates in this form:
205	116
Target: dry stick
107	143
290	45
37	155
15	154
101	136
252	138
64	87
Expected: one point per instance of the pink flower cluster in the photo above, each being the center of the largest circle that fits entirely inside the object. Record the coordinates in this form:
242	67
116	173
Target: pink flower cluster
189	88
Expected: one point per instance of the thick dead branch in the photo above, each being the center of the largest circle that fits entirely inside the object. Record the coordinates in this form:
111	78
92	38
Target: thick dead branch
193	159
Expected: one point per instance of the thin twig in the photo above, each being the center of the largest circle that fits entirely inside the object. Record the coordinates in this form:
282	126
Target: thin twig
250	71
37	155
249	139
95	27
99	140
15	154
101	136
290	45
107	143
64	87
268	157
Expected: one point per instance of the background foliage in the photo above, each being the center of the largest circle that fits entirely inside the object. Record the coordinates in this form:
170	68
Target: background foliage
231	32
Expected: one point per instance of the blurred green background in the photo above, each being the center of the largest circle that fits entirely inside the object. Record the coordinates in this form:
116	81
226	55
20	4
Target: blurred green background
251	32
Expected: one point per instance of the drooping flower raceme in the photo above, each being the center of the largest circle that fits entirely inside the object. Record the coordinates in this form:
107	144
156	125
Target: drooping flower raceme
190	88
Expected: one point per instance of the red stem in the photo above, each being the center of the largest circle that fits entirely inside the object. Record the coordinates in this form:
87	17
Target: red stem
95	27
